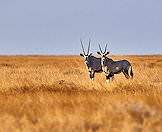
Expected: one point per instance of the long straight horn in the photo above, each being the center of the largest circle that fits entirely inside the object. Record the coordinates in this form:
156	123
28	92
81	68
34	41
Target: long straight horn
100	48
105	48
82	46
89	47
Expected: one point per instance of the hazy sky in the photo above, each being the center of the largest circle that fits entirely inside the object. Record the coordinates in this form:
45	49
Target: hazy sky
56	26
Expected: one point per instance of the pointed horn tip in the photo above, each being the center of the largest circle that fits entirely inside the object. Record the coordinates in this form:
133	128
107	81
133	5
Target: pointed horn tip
105	48
82	47
100	48
89	46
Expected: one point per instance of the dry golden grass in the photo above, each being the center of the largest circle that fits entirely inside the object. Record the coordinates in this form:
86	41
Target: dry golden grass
54	93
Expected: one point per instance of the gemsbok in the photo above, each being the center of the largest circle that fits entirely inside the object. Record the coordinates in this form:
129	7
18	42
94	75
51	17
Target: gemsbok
93	63
111	67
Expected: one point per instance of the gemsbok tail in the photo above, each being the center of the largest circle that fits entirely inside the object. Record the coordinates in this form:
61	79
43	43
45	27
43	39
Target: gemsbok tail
130	72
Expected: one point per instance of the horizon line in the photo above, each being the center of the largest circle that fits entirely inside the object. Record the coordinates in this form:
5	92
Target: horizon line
77	54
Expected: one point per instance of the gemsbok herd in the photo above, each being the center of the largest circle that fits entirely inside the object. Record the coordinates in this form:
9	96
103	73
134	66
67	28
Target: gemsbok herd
105	64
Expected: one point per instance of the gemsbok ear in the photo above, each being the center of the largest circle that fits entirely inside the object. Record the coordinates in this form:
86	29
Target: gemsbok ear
98	53
107	53
81	55
90	54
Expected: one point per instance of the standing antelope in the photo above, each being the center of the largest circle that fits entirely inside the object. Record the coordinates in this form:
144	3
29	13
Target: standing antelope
93	64
111	67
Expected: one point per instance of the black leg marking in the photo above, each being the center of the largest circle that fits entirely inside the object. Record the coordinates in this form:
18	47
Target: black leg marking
125	72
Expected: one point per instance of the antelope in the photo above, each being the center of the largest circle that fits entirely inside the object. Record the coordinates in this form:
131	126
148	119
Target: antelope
93	63
111	67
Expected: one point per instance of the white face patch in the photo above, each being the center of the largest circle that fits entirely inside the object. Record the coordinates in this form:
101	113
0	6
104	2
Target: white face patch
102	62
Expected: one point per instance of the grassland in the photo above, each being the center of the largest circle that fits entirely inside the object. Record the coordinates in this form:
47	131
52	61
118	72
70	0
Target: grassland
54	93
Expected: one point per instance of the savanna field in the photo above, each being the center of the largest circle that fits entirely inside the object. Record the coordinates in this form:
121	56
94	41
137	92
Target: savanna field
54	93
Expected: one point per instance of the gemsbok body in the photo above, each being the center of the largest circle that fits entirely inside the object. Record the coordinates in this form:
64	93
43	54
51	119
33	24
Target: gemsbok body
111	67
93	63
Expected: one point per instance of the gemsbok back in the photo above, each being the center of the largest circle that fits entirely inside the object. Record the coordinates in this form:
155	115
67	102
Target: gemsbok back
111	67
93	63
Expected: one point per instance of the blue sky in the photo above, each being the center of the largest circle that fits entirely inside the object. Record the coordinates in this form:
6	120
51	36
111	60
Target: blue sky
56	26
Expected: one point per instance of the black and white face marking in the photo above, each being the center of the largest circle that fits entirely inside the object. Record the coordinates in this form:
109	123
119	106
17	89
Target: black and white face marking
103	57
86	59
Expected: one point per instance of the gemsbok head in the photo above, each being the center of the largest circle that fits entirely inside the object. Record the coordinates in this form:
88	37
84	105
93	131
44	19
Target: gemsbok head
111	67
93	63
